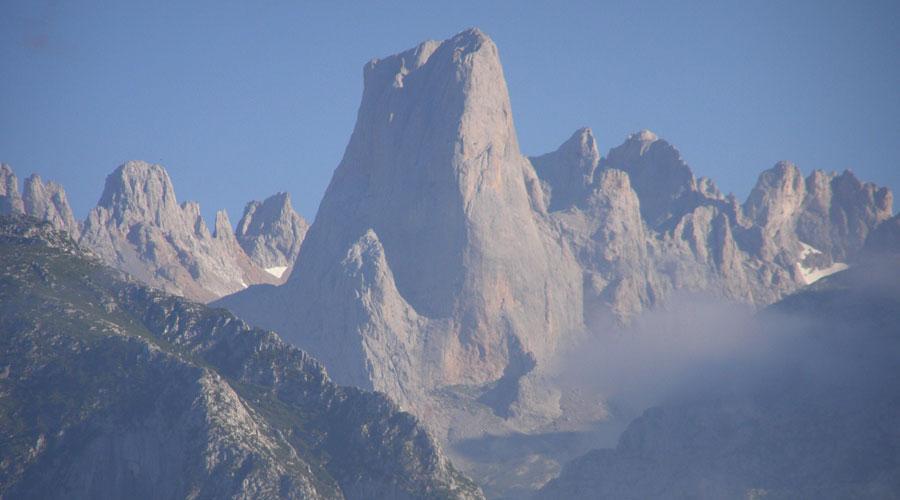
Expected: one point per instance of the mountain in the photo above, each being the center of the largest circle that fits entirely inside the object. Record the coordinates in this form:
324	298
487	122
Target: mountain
661	178
447	271
659	228
430	262
452	273
139	227
814	417
271	232
112	389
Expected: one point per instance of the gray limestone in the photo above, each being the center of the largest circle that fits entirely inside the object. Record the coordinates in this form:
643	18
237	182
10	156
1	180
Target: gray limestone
271	233
139	227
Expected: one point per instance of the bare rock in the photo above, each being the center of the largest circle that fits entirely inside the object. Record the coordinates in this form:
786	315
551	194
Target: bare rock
839	212
48	202
139	227
567	173
10	199
271	233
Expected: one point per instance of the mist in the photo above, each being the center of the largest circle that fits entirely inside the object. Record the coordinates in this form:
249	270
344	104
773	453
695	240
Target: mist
701	347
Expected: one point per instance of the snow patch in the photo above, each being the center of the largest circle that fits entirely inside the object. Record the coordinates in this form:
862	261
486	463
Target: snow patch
810	274
276	271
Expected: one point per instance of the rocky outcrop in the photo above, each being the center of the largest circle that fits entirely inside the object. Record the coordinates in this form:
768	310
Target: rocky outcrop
432	233
139	227
567	173
271	232
612	245
48	202
774	205
10	198
115	390
662	180
839	212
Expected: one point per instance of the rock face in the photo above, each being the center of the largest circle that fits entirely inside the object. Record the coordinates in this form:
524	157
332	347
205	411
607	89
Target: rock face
271	233
139	227
430	262
774	205
839	212
48	202
10	199
662	180
567	173
115	390
815	418
613	246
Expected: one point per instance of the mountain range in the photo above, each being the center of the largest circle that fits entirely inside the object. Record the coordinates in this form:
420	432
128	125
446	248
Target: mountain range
448	271
442	257
139	227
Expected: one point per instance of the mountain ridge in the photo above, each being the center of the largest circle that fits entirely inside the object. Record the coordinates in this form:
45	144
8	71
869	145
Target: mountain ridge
116	389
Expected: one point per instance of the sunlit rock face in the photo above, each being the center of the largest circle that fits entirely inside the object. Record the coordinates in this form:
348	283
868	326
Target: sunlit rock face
139	227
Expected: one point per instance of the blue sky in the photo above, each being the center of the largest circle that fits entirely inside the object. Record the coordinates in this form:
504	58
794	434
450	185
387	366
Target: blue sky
239	100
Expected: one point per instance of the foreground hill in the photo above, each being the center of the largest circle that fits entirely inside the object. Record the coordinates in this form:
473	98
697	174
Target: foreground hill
114	390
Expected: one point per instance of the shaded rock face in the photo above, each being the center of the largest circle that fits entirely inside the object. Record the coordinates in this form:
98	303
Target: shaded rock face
432	232
115	390
885	239
839	212
48	202
139	227
271	232
814	417
662	180
567	173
